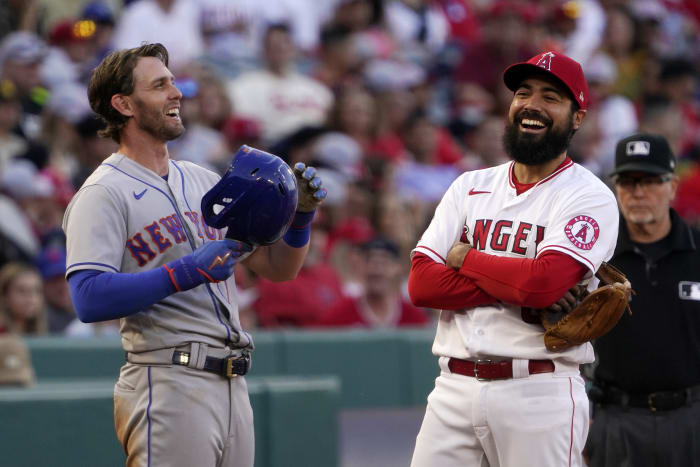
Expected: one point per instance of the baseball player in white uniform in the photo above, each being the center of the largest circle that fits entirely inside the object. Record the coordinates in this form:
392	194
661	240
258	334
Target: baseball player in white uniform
504	242
139	250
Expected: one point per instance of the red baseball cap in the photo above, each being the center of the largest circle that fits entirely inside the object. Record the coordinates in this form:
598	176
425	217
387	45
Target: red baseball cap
565	69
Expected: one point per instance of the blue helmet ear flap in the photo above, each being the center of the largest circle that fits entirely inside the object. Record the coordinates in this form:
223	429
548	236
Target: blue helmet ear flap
255	199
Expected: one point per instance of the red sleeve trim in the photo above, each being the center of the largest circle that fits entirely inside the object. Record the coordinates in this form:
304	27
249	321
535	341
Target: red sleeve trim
433	285
528	282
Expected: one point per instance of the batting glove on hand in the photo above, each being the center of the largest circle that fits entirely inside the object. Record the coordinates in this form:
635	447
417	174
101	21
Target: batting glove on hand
311	193
211	262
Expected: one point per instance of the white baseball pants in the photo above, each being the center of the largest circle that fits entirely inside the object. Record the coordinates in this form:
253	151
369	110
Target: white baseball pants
539	420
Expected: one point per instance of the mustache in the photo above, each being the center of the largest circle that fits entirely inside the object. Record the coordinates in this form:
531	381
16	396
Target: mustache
535	116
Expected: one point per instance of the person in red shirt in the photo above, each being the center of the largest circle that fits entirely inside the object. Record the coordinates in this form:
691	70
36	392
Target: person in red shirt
381	303
300	302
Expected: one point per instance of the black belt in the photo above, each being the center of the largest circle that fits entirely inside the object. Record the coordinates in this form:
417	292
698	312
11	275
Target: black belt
229	367
659	400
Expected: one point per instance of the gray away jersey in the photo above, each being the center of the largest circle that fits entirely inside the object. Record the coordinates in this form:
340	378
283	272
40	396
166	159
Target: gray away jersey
126	218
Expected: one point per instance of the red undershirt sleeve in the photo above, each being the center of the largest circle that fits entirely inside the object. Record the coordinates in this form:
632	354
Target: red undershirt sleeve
434	285
529	282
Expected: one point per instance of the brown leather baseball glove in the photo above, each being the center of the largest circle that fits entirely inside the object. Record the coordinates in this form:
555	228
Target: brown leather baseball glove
595	314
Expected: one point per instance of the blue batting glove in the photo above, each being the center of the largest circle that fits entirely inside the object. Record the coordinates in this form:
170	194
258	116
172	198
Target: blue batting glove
211	262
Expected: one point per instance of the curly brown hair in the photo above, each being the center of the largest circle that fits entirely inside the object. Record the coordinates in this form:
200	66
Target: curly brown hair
115	75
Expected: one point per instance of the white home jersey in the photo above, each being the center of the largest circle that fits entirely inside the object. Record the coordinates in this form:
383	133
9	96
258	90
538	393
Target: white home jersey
126	218
571	212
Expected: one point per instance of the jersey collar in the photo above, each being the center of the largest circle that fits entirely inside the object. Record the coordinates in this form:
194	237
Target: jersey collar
565	164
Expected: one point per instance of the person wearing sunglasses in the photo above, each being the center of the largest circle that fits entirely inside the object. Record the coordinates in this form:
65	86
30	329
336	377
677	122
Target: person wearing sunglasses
646	389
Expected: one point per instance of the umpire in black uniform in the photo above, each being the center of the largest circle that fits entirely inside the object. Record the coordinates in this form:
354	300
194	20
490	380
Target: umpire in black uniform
646	389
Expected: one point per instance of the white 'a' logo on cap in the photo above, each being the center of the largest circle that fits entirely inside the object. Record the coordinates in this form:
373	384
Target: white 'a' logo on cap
638	148
545	60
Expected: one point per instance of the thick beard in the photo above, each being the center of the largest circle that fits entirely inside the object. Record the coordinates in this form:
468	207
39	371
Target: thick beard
529	150
155	124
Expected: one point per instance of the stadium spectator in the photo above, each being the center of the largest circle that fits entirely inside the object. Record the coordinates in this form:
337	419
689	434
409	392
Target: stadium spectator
68	54
173	23
21	56
687	202
432	166
365	19
239	131
678	81
621	43
37	194
381	304
662	116
66	108
484	148
18	241
51	263
616	115
22	304
300	302
419	26
102	16
339	62
505	38
282	99
587	25
215	106
231	33
11	144
400	222
355	113
18	15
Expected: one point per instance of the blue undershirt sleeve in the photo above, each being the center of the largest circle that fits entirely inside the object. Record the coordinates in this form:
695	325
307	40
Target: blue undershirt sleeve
101	296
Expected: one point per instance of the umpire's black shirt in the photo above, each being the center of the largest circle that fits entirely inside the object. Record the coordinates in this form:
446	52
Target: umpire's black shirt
657	348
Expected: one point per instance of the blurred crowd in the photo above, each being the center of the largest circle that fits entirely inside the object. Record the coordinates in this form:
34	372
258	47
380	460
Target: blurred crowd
390	99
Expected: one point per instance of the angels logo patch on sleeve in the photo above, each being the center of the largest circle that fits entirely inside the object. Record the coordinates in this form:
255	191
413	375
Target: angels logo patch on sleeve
582	231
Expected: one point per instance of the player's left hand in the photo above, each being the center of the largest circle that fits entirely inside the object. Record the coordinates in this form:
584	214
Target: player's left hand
311	191
456	255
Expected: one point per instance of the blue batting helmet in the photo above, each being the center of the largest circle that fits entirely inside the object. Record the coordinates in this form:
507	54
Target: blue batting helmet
256	198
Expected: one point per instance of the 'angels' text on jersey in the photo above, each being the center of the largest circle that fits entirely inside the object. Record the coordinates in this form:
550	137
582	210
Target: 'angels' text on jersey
503	235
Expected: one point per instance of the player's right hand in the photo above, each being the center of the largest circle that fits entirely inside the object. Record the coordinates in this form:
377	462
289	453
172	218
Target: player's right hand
457	254
211	262
215	260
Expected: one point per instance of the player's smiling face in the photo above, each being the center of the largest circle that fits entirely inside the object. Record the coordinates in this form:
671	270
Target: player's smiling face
538	104
156	100
541	121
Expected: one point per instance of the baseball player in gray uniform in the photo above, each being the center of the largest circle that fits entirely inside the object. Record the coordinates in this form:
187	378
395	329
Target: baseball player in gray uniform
139	250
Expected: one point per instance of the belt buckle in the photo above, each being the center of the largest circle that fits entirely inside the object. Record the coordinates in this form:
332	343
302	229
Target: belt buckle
476	368
230	362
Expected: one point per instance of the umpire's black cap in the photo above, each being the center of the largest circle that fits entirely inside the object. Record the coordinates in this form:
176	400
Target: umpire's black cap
644	152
